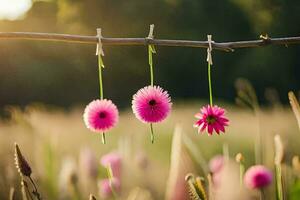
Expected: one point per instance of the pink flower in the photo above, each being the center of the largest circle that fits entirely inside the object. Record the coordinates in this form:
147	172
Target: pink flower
257	177
107	187
114	161
88	163
151	104
211	118
216	164
100	115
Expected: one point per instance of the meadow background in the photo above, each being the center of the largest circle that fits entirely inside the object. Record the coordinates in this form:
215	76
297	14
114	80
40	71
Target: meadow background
44	86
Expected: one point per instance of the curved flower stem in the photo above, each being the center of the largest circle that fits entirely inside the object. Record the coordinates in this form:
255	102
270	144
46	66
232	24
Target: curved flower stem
209	85
151	50
111	177
242	171
100	66
262	194
152	133
103	138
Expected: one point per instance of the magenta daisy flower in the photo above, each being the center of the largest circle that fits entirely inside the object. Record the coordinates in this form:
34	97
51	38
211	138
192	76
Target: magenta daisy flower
257	177
151	104
211	118
100	115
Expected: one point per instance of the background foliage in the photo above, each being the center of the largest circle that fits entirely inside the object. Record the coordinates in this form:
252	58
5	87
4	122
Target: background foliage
65	74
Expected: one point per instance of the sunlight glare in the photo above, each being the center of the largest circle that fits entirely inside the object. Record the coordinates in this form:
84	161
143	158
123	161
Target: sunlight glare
13	9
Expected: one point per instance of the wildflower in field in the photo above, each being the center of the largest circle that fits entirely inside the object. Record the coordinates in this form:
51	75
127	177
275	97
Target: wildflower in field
114	161
108	188
257	177
68	175
216	163
100	115
88	163
211	118
151	104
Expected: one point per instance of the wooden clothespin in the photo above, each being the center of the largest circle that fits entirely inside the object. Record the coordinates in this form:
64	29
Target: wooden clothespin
209	50
99	49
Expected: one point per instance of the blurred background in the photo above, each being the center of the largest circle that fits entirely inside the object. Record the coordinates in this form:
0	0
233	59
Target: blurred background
44	87
64	74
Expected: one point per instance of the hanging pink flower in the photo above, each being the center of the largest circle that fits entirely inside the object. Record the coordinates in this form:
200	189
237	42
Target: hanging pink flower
151	104
106	187
257	177
100	115
114	161
211	118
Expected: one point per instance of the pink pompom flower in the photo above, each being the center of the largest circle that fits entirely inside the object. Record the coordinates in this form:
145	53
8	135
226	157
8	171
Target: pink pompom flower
100	115
107	187
211	118
151	104
257	177
114	161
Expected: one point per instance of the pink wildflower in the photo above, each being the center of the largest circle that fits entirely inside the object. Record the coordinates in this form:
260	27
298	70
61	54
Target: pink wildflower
216	164
107	187
114	161
211	118
100	115
88	163
151	104
257	177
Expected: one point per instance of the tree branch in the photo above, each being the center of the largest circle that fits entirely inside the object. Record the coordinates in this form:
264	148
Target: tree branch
224	46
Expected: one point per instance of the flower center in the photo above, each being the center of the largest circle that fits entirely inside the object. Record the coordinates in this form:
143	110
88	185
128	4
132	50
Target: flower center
210	119
102	115
152	102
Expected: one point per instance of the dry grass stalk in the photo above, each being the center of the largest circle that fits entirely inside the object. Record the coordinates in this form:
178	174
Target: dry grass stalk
139	194
92	197
296	165
211	192
181	164
279	153
25	191
295	106
279	150
22	165
12	194
25	171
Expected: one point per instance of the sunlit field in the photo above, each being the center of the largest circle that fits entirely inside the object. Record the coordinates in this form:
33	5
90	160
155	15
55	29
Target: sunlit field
52	141
149	100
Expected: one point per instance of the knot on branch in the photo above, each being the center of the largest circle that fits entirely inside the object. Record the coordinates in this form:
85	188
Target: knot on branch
266	40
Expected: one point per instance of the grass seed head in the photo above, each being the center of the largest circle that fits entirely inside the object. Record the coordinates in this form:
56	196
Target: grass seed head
21	163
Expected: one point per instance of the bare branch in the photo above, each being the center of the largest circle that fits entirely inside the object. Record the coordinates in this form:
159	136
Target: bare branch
224	46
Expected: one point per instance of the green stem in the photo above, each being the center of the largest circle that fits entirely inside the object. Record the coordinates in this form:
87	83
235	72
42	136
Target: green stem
152	133
209	85
103	138
242	170
111	178
262	194
151	50
100	65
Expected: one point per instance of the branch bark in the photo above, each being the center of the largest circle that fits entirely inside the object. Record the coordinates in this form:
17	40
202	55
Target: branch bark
224	46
